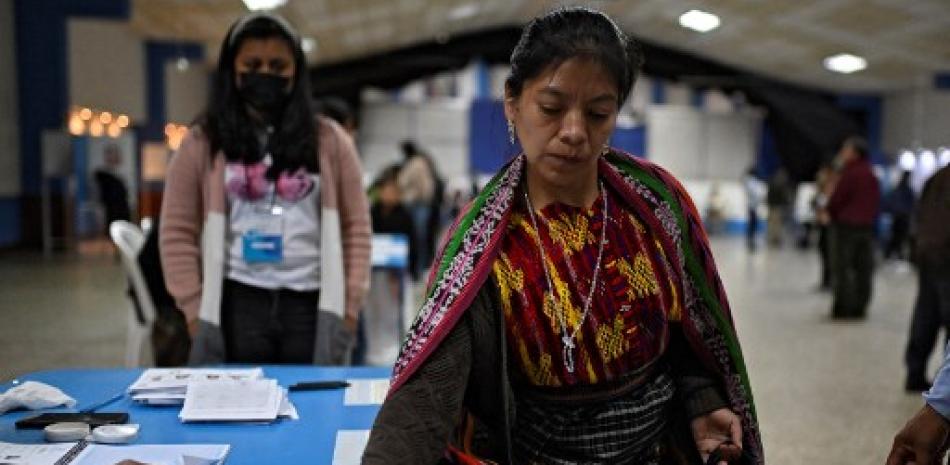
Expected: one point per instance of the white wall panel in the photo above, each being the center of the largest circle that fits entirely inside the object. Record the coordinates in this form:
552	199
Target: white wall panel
704	150
916	117
674	137
106	66
440	128
186	92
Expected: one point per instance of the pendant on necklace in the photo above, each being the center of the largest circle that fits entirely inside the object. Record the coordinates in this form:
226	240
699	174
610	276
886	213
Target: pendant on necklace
568	352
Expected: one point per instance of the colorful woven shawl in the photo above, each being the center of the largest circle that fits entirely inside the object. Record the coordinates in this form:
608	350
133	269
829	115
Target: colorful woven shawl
662	204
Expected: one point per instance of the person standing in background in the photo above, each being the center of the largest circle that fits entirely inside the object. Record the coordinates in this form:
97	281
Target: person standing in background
900	204
825	181
388	214
112	191
417	181
754	191
338	110
265	234
852	209
778	200
932	255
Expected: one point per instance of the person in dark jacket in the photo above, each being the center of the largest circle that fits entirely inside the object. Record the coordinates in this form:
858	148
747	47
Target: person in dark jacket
932	254
112	191
170	340
853	209
389	216
900	204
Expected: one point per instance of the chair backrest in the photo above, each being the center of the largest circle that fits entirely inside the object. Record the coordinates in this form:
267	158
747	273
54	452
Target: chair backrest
129	240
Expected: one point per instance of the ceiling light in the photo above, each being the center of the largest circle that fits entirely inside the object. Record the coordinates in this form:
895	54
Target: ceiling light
928	161
255	5
308	44
182	64
944	157
845	63
699	21
464	11
907	160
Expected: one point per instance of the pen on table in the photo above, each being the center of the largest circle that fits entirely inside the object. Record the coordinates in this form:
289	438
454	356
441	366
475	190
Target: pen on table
92	408
317	385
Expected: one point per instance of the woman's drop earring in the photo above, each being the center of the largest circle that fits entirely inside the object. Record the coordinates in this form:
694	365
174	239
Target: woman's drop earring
511	132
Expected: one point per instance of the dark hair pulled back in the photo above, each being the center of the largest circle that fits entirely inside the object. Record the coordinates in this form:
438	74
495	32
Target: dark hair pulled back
565	33
226	121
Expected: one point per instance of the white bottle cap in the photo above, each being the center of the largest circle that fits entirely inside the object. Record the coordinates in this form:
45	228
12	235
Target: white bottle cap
66	431
115	434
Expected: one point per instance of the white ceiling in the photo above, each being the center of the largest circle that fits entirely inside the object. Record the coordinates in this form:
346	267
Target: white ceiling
904	41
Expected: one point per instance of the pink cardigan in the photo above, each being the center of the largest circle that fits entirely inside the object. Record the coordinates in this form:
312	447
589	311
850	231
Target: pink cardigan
194	221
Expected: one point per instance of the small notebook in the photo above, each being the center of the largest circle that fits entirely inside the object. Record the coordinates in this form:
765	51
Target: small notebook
85	453
244	400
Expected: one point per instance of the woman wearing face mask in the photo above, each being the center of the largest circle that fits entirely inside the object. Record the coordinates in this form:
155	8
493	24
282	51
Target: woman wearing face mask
575	314
265	227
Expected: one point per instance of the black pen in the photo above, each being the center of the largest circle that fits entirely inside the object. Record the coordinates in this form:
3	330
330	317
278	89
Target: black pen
318	385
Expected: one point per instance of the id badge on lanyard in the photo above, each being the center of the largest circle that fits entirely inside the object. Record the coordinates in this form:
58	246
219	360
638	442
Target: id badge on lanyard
263	242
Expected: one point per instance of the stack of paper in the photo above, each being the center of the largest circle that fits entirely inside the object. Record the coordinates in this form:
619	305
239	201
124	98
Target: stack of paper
245	400
215	394
167	386
84	453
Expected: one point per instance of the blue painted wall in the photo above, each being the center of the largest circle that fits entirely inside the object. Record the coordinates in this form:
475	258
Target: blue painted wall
631	140
9	221
872	106
488	143
942	81
43	85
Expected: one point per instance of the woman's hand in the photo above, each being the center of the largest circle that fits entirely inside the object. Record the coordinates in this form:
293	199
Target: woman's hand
720	429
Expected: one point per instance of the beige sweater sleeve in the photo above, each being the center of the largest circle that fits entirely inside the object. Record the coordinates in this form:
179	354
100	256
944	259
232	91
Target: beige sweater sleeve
181	222
354	221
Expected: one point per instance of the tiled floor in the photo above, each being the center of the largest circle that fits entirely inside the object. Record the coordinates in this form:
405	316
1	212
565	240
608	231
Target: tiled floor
827	393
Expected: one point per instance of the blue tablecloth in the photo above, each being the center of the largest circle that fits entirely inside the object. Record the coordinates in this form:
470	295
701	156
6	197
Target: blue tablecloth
308	440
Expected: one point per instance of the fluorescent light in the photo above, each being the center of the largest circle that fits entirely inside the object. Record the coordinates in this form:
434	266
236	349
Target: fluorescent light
928	161
944	157
308	44
255	5
699	20
464	11
907	160
845	63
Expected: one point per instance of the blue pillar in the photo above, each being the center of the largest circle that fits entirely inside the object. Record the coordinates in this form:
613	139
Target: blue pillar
42	79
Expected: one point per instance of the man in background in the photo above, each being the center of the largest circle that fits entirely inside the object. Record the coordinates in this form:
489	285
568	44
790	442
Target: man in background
112	191
932	255
853	209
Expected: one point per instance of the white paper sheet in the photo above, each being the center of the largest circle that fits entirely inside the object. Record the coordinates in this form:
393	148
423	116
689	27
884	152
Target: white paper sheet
98	454
176	379
158	454
366	391
247	400
33	454
349	447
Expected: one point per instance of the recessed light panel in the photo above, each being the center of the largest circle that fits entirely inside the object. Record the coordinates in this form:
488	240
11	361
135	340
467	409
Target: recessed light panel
699	21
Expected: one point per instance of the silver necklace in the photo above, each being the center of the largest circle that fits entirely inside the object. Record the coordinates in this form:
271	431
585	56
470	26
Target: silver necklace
567	336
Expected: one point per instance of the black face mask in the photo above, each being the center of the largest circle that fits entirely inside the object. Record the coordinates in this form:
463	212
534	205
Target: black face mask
266	93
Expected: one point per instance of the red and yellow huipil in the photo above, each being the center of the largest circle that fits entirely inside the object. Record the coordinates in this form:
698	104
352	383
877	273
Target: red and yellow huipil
631	306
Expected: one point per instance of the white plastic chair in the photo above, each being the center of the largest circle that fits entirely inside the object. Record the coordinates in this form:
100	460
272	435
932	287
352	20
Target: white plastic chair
129	240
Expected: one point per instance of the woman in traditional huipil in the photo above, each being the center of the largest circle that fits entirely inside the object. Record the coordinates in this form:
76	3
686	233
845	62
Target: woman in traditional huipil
575	314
